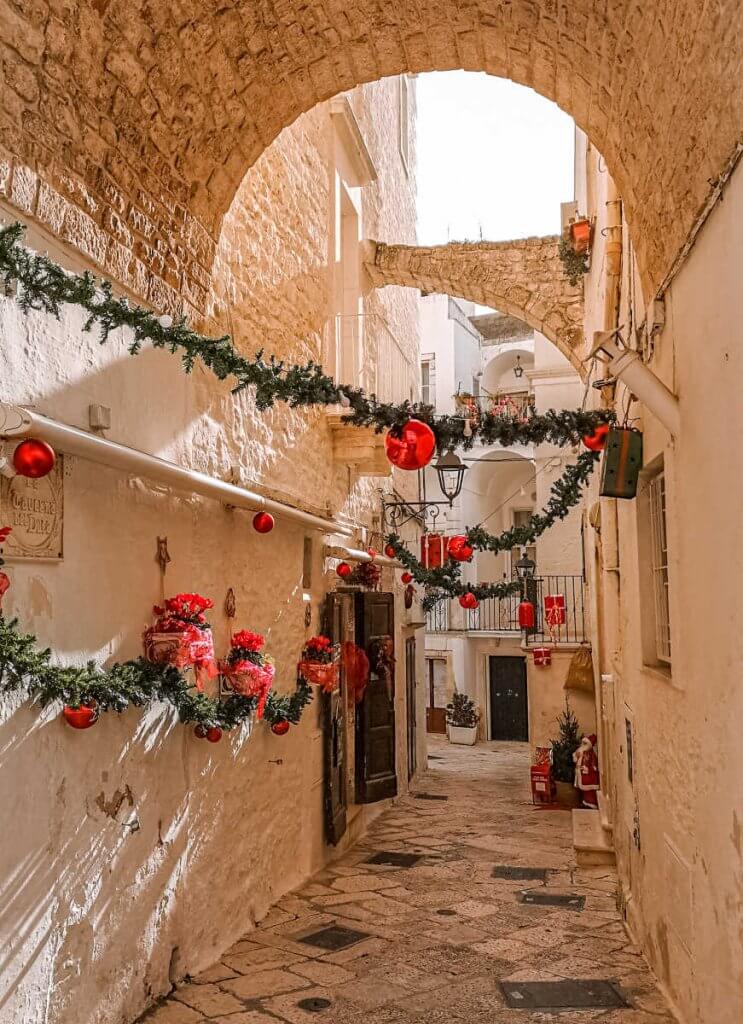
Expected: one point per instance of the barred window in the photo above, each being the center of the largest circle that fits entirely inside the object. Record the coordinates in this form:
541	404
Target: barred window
659	565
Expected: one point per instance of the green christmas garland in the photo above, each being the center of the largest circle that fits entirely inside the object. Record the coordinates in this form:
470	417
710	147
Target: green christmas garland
136	683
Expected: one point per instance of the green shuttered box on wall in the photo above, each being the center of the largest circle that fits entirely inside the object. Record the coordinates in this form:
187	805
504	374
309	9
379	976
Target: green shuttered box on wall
622	463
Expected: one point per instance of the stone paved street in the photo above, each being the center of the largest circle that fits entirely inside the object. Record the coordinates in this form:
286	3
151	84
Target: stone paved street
442	933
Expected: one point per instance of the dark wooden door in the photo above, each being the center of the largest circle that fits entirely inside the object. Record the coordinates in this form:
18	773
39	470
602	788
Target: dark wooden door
435	698
334	731
410	688
509	708
376	778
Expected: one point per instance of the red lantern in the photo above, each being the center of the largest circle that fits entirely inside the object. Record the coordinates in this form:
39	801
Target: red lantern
214	734
596	442
468	600
413	447
407	577
280	728
458	549
542	655
82	717
389	551
33	458
526	615
344	570
263	522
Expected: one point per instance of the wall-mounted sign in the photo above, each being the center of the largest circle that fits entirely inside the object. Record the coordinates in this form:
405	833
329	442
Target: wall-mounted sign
35	511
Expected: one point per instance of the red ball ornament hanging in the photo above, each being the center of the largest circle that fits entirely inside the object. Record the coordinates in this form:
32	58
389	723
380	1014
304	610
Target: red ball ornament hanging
413	447
389	551
280	728
33	458
82	717
526	615
344	570
200	732
468	600
458	548
214	734
596	442
263	522
407	577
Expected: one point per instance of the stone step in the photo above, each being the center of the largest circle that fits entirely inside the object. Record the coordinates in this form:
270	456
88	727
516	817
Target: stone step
605	812
591	842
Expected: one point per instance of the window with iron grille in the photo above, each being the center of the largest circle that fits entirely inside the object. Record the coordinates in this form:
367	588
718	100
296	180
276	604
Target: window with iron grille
659	565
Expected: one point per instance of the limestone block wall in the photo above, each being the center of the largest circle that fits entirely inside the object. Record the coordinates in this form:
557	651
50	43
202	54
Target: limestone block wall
137	853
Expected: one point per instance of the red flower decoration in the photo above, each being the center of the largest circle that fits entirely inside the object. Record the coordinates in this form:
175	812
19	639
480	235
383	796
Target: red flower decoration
247	640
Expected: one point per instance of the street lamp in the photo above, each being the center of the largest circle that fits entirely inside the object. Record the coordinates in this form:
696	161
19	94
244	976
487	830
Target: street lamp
518	370
525	567
450	470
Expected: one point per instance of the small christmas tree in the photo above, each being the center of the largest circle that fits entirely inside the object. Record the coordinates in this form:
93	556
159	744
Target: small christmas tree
563	748
462	712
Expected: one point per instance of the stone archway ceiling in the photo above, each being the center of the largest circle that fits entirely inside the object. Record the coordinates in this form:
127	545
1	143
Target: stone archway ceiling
523	278
129	124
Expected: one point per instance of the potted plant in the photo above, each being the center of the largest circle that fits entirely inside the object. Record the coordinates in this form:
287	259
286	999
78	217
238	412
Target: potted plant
462	717
181	636
247	670
563	766
319	663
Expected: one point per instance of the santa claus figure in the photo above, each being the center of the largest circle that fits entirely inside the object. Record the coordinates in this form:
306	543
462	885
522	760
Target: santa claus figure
587	771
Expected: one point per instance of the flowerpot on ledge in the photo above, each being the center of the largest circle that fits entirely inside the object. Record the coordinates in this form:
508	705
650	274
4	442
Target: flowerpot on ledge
462	734
580	234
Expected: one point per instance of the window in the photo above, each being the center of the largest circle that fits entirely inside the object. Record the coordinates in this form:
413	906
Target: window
428	382
659	565
476	387
404	121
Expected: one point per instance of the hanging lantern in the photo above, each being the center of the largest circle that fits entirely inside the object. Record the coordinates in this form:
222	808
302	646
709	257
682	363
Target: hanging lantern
33	458
468	600
542	656
458	548
389	551
596	442
344	570
450	470
412	447
81	717
620	470
280	728
526	615
263	522
406	577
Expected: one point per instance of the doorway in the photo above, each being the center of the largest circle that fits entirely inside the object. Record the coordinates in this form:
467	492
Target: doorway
436	695
410	695
509	704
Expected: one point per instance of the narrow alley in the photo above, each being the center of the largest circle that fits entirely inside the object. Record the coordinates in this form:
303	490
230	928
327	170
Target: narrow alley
421	922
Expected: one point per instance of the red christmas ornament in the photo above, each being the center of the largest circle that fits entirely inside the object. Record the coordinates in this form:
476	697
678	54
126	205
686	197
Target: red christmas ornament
389	551
372	552
596	442
33	458
200	732
407	577
468	600
263	522
458	548
344	570
413	448
280	728
82	717
526	615
214	734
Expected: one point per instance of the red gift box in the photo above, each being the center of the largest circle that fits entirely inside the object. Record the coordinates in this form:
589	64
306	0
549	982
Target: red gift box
542	655
554	609
433	550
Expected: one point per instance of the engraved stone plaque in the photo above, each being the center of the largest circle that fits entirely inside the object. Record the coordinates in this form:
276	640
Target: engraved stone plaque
35	511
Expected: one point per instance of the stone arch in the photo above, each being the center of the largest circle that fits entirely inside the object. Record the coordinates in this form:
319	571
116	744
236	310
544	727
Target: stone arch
128	124
524	278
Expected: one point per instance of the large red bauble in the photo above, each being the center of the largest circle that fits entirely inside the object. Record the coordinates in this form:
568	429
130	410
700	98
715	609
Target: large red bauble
33	458
263	522
281	728
82	717
468	600
459	549
407	577
413	448
596	442
200	732
526	615
344	570
389	551
214	734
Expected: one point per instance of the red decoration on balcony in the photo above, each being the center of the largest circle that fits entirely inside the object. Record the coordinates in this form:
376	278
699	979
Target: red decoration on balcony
344	570
280	728
542	656
412	447
263	522
596	442
580	234
33	459
526	615
407	577
458	548
468	600
554	609
433	550
389	551
82	717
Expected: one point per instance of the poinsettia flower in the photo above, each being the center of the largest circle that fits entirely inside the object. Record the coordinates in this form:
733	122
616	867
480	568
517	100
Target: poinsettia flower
248	640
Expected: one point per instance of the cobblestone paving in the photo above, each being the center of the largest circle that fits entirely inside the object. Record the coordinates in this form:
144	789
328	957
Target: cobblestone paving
441	933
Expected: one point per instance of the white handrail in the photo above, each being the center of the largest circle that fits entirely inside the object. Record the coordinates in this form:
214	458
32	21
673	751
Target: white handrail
17	422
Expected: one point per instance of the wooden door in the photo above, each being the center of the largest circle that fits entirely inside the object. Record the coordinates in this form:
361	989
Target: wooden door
509	708
376	778
334	732
410	693
436	695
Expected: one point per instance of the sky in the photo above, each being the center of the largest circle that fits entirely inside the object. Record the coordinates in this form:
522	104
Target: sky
491	156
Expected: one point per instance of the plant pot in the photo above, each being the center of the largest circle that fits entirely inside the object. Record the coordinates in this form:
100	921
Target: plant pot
567	795
81	717
462	734
580	234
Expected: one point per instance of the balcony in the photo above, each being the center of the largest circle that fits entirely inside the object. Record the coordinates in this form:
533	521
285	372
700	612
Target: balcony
520	404
500	616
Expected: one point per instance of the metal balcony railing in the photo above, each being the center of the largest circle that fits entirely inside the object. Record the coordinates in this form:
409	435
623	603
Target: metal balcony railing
367	351
503	403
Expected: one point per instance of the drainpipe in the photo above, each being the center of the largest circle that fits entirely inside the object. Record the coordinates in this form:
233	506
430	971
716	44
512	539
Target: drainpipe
627	366
356	555
18	422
